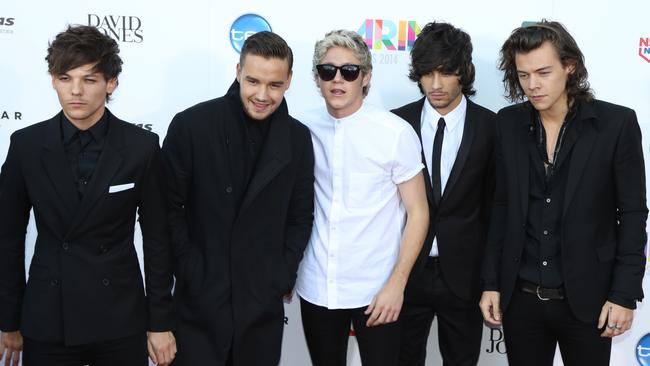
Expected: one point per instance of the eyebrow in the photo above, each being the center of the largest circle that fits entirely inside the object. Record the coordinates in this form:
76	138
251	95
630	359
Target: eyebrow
545	68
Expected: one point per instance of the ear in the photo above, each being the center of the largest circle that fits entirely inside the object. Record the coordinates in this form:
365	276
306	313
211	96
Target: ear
238	75
111	85
289	80
366	79
570	67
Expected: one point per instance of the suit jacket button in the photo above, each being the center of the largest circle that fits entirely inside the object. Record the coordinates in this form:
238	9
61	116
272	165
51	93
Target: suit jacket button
103	249
229	189
65	245
106	282
54	282
515	259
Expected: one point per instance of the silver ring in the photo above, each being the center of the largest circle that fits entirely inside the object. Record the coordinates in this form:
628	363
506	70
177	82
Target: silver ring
618	327
611	326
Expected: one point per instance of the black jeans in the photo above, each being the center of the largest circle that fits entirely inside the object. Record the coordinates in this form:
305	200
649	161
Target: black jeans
327	333
533	328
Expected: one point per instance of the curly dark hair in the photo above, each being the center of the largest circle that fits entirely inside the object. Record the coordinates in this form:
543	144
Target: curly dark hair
530	37
82	45
443	47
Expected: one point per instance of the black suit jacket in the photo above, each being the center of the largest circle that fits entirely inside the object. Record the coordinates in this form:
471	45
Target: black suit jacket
84	282
238	247
604	214
460	221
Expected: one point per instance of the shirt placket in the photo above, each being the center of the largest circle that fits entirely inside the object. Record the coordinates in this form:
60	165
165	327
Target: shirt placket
334	229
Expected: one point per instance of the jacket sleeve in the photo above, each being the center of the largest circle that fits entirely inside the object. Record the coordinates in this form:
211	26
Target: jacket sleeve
301	211
14	217
629	177
498	214
177	157
156	245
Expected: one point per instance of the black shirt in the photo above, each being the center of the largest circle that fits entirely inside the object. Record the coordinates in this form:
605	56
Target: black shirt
82	148
541	259
255	132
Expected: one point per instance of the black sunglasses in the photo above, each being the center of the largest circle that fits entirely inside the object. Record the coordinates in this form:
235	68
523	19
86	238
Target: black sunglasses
349	72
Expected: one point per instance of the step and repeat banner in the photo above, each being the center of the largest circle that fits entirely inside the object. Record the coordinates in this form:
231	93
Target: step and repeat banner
179	53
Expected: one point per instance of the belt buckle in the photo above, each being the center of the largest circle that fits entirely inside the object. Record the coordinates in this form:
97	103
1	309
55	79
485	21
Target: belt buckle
540	296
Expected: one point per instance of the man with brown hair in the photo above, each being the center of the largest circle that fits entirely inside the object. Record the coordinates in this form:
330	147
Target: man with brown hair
564	260
85	173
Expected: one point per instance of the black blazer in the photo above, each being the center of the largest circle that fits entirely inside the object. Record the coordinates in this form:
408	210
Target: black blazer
604	215
236	257
460	221
84	282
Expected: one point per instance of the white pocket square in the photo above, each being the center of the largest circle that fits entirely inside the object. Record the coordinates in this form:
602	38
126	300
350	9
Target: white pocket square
120	187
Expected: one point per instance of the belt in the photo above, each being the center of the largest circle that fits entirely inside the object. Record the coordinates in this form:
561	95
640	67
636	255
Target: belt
542	293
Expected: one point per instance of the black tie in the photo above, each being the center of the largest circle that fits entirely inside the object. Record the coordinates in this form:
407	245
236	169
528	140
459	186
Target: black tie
435	161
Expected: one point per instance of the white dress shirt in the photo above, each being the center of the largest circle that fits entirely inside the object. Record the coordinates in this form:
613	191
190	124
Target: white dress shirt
359	216
454	125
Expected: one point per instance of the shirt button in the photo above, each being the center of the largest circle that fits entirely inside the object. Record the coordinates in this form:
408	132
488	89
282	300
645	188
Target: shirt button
229	189
545	232
65	246
54	282
548	200
544	263
106	282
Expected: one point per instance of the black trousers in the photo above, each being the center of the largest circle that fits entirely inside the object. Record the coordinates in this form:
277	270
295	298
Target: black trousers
533	327
327	331
460	323
128	351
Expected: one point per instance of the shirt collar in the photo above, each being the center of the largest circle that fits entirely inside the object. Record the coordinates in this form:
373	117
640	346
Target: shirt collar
452	119
98	131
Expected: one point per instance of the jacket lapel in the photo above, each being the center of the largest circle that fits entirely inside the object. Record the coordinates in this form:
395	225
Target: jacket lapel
107	165
587	135
463	152
275	154
57	166
522	158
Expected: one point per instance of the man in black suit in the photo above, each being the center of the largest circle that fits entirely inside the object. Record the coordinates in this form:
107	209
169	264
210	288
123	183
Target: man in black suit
457	141
85	174
241	175
565	258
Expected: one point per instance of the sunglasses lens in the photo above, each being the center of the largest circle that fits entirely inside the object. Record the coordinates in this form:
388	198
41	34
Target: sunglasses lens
350	72
326	72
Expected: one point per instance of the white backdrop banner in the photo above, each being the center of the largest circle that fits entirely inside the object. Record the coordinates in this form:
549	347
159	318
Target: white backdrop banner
179	53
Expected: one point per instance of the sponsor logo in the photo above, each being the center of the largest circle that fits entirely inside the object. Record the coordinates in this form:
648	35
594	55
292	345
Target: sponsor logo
382	34
122	28
496	342
6	24
644	48
244	27
11	115
144	126
643	350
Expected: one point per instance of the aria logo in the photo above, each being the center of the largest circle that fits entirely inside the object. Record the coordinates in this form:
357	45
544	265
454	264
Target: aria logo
382	33
122	28
643	350
644	48
244	27
6	24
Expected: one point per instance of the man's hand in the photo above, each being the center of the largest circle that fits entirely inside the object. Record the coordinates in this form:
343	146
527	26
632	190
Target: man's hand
162	347
11	344
616	319
490	307
387	304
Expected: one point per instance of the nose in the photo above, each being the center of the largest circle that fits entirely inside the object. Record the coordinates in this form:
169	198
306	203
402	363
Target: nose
77	87
533	82
261	94
436	80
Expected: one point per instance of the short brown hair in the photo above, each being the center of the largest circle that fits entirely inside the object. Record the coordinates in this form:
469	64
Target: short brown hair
268	45
82	45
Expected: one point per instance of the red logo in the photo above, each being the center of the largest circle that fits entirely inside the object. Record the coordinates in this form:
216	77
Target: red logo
644	48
